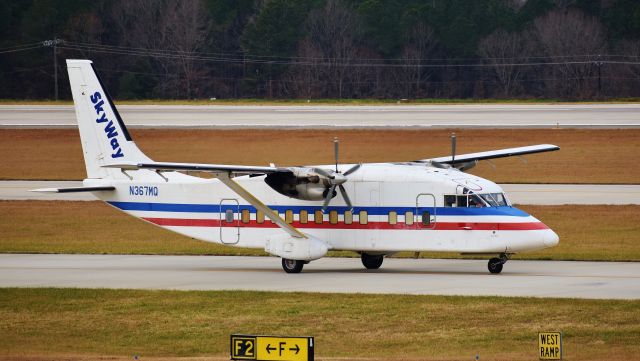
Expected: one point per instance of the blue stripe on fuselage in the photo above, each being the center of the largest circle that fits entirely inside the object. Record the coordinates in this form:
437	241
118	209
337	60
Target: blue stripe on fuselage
215	208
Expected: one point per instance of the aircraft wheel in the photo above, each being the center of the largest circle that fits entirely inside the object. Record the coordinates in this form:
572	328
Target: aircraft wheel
292	265
371	262
495	265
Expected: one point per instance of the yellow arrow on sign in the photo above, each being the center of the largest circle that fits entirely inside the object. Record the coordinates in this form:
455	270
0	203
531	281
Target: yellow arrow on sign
271	348
282	348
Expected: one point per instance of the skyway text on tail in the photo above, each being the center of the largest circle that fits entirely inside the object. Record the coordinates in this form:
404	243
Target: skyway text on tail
109	129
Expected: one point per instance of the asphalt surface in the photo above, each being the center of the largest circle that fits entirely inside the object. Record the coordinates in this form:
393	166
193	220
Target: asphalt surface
539	194
603	280
314	116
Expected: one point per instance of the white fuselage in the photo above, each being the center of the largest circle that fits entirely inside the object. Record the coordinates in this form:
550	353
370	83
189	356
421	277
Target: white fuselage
396	207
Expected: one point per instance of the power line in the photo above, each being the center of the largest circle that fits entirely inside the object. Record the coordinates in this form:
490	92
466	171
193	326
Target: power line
355	62
328	61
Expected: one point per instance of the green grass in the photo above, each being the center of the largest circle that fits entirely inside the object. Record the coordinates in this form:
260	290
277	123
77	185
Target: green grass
175	323
600	233
256	101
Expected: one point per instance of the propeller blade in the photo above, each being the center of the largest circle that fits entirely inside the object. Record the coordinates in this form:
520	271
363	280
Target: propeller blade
336	146
453	148
328	197
324	173
353	169
346	197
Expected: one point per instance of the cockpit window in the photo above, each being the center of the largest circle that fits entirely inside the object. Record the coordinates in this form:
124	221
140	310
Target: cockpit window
455	201
476	200
494	199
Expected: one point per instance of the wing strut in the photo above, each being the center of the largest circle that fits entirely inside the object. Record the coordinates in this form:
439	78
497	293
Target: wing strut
226	179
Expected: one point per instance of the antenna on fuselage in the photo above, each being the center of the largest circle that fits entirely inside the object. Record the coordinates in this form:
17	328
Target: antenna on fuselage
336	146
453	149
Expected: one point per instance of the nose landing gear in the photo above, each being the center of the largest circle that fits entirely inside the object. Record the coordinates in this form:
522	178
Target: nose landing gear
496	263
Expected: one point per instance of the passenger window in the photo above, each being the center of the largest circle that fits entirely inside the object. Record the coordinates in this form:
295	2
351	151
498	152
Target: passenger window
246	216
333	217
288	216
348	217
304	216
408	218
276	213
318	217
426	219
393	217
228	215
363	217
259	217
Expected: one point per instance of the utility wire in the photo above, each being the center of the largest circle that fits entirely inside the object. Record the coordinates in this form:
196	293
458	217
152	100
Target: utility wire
334	62
324	62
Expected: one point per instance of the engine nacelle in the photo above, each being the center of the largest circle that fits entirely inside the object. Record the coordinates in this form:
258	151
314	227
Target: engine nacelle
299	249
300	183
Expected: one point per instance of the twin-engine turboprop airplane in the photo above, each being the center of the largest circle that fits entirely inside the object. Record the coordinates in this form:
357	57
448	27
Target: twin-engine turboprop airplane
300	213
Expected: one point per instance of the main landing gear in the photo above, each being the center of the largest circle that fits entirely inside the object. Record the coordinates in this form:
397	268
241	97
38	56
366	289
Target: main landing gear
495	264
371	261
292	265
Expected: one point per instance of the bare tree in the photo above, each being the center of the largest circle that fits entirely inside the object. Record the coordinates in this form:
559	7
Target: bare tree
502	50
186	25
626	74
574	41
330	47
419	47
174	29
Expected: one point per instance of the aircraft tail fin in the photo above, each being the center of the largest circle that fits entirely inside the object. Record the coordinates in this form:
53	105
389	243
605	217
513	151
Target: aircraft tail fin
104	136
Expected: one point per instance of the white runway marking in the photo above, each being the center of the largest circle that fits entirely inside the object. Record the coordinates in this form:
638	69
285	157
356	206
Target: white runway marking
601	280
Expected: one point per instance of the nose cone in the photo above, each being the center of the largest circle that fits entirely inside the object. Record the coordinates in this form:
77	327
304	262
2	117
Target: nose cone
551	239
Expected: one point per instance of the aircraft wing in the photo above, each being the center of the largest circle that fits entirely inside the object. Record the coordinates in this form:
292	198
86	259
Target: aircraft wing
223	173
492	154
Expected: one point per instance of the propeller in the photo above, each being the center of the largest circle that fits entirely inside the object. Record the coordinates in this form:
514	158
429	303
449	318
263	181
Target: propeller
336	179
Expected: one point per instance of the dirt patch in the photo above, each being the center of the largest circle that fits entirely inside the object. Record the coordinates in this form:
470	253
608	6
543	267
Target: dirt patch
586	155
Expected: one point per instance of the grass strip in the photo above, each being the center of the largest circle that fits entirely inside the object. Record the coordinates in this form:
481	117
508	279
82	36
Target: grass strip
602	233
178	323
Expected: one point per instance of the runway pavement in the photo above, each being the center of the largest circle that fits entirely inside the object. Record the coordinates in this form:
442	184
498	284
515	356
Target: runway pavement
314	116
539	194
602	280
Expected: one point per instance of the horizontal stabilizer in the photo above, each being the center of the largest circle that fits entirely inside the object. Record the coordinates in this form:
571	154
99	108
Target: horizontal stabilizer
195	167
74	189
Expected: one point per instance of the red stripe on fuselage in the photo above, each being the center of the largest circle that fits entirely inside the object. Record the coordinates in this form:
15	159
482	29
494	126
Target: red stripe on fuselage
439	226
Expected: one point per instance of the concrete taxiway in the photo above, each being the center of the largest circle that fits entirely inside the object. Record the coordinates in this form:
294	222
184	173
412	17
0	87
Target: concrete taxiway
314	116
538	194
601	280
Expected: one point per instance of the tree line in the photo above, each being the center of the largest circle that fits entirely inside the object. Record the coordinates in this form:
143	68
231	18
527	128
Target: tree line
313	49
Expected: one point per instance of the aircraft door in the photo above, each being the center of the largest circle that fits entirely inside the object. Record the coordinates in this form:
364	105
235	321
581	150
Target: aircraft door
367	195
229	221
426	216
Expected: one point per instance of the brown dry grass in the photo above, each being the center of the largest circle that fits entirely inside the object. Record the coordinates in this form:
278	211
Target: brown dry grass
170	323
586	155
586	232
